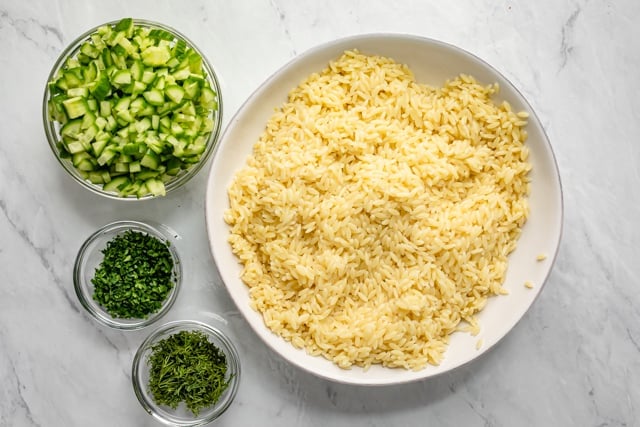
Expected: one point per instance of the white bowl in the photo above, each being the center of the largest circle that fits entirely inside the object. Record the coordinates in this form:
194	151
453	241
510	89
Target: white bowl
432	62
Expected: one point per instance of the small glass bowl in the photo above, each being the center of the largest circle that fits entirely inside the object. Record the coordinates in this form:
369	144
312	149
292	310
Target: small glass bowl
52	127
89	258
181	416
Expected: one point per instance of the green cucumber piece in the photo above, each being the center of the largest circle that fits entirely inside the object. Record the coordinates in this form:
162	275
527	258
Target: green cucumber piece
150	160
156	187
208	98
116	184
154	97
75	107
174	93
156	56
121	78
98	146
72	129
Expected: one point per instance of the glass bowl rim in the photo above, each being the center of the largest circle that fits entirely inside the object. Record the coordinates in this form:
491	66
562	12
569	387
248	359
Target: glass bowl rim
52	137
225	344
92	308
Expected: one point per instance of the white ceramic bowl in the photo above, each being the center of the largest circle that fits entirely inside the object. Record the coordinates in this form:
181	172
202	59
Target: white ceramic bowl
432	62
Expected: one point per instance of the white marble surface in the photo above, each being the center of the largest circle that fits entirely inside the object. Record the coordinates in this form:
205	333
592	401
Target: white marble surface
573	360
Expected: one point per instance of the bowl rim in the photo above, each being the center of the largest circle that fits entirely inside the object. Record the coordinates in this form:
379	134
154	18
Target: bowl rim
52	136
318	49
226	345
93	308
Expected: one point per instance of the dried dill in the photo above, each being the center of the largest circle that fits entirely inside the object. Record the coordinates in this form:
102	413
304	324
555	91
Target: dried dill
187	367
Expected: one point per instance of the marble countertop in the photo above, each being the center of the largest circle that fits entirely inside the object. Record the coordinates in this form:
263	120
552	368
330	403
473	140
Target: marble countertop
574	359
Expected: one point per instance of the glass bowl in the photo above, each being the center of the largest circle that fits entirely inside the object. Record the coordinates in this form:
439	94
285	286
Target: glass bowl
181	416
89	258
52	127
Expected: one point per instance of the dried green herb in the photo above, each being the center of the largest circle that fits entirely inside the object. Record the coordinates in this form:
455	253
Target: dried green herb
135	275
187	367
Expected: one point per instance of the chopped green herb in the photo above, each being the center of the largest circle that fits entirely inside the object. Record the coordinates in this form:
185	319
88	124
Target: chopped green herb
187	367
135	275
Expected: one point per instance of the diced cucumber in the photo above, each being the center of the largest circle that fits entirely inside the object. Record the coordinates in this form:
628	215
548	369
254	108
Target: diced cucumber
176	129
101	122
159	82
125	116
137	88
154	97
77	92
90	133
143	190
56	109
126	45
116	183
182	74
208	98
105	108
153	143
75	147
142	125
88	120
121	167
174	93
121	78
133	149
131	188
98	146
106	156
192	88
155	56
173	63
86	165
125	25
111	124
79	157
150	160
134	108
123	104
73	77
135	167
90	72
89	50
156	187
96	177
146	174
174	165
148	77
75	107
92	104
72	129
180	48
147	111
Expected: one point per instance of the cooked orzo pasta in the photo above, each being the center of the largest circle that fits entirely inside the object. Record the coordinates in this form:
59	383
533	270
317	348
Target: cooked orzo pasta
375	215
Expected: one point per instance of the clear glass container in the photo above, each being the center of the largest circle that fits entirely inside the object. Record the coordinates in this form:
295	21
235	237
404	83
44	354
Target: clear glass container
52	127
181	416
89	258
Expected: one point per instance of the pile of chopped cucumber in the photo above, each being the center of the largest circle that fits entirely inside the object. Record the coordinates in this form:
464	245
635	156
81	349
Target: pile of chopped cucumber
135	108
